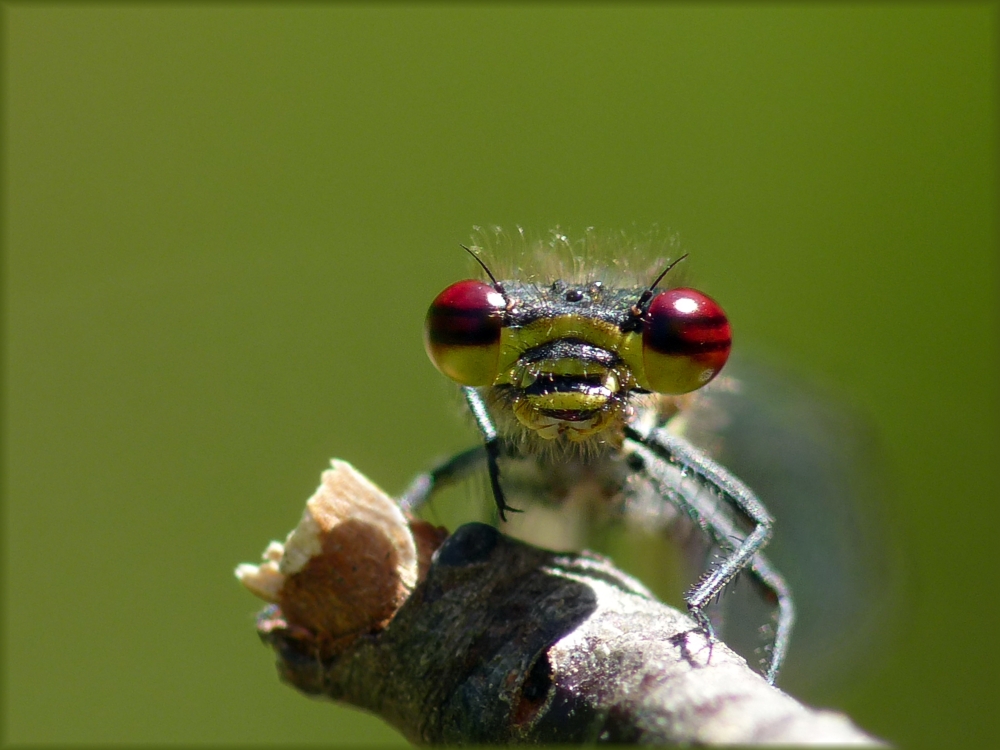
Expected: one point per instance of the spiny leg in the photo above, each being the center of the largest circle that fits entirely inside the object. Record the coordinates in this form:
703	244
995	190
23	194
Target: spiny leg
491	443
461	465
775	583
452	470
658	446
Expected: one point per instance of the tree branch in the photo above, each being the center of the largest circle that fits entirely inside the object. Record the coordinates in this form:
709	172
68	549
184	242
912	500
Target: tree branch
495	641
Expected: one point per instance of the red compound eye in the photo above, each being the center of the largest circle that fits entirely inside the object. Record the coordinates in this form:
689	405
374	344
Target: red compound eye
685	341
462	332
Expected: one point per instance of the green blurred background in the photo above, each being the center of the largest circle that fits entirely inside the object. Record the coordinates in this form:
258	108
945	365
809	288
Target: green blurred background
223	226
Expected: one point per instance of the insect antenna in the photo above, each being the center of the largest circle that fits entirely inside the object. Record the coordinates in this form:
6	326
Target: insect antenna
648	294
496	284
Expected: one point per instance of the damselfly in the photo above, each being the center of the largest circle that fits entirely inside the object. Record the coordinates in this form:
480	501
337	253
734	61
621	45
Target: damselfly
578	376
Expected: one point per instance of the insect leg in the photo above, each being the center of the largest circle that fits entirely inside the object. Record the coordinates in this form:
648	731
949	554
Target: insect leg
775	583
452	470
719	526
492	446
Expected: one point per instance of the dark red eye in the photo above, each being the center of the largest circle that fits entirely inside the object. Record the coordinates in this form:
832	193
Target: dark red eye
462	332
685	340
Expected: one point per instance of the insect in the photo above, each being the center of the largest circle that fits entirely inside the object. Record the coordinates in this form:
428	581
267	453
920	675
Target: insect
574	376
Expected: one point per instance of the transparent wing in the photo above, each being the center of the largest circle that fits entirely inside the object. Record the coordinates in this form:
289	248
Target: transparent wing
815	463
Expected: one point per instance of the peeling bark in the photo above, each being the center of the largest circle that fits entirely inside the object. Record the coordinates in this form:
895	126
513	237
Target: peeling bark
501	642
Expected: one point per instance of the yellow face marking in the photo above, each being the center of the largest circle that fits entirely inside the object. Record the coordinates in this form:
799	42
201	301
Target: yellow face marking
550	428
569	401
538	411
569	367
516	341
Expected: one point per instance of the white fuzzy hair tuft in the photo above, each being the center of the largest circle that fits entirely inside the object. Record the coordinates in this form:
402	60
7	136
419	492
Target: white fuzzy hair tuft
624	260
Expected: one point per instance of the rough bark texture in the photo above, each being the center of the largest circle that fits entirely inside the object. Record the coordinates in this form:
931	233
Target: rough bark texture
501	642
